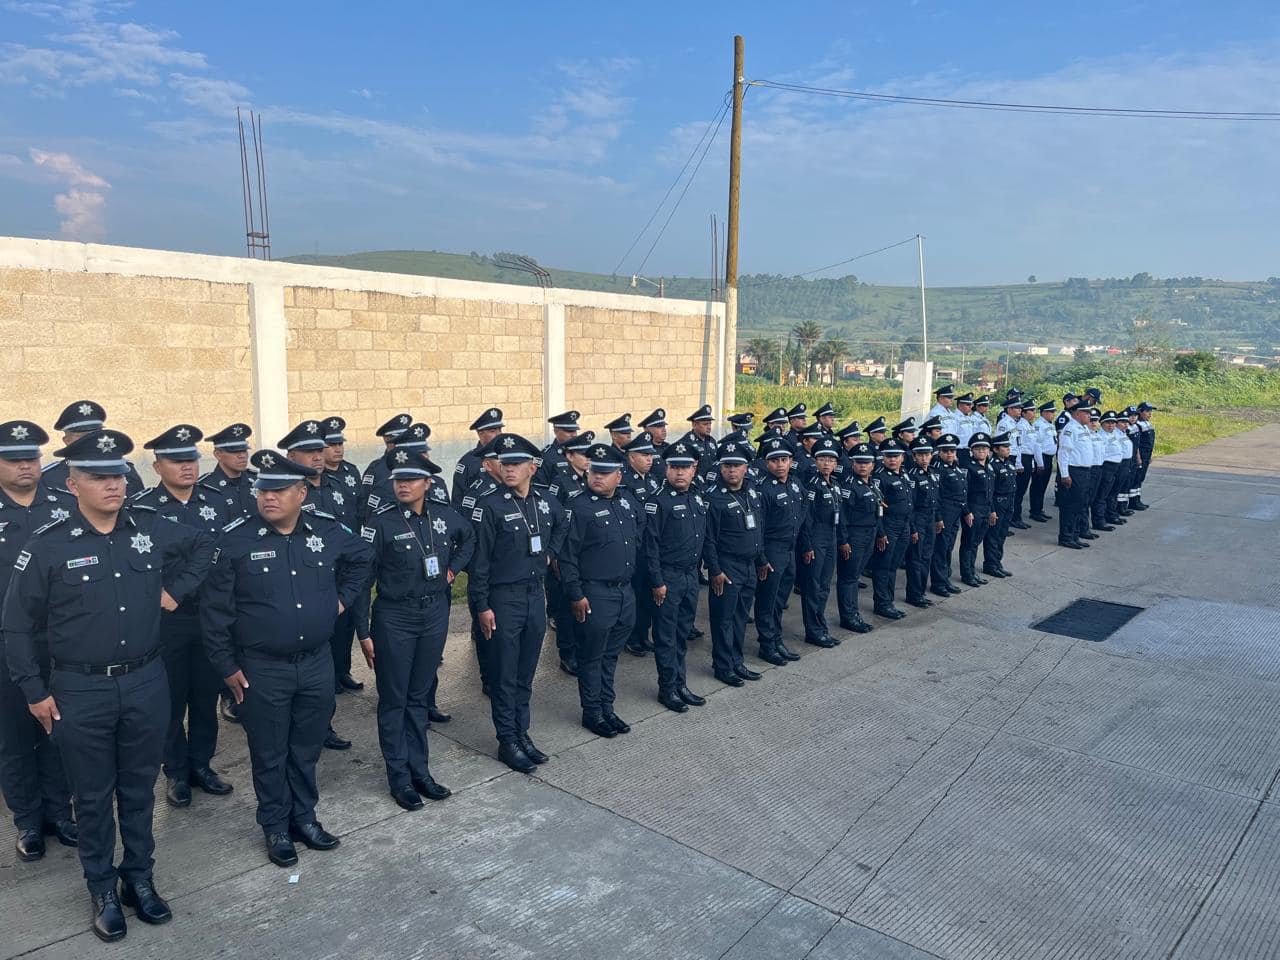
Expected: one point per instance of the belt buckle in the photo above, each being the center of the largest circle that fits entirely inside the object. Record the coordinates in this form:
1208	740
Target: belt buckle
113	667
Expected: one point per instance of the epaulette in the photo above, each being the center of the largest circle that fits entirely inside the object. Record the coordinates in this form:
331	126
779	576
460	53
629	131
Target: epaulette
138	496
233	524
575	493
323	515
141	506
49	526
384	508
49	466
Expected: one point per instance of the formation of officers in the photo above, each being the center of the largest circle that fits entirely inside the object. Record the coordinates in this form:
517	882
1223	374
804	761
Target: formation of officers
129	612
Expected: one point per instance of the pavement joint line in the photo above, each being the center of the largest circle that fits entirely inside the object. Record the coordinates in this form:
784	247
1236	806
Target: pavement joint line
1222	872
963	773
760	919
817	943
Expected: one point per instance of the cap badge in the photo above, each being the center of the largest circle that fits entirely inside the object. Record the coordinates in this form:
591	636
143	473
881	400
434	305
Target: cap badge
19	433
183	433
268	460
509	442
106	443
85	409
312	426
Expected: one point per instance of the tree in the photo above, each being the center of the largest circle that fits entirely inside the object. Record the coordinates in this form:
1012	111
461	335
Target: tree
1081	354
807	334
913	347
1031	279
829	353
1196	363
768	354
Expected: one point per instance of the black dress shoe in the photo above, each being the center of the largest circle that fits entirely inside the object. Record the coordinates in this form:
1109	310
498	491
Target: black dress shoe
534	754
1137	506
313	835
1005	573
1040	517
280	850
178	792
615	721
436	715
671	700
334	742
691	698
770	654
1089	536
994	572
513	755
599	726
729	679
347	682
229	709
149	905
825	642
1071	544
569	666
636	649
64	831
787	652
953	588
1117	521
920	602
858	626
972	581
208	781
940	592
889	613
743	671
696	634
1019	525
108	917
431	790
406	798
30	845
1104	527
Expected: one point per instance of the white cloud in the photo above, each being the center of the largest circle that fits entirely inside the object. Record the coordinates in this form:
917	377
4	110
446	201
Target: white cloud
219	97
67	168
82	210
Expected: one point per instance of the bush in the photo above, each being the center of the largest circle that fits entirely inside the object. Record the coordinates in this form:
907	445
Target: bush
1199	362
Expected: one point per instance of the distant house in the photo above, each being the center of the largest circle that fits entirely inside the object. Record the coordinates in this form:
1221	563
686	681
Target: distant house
747	364
1038	351
1114	351
1061	351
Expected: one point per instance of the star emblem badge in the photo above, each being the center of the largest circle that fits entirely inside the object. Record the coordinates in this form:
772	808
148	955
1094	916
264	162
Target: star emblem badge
163	499
268	460
262	531
493	414
237	431
315	544
85	409
543	506
19	433
59	514
183	433
439	526
312	426
208	513
77	531
509	442
351	480
401	457
339	499
141	542
105	444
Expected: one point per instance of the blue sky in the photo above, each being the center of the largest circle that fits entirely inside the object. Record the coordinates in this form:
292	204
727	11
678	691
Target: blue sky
554	130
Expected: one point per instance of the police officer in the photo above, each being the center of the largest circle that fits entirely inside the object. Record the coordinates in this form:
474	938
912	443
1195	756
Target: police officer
981	405
797	418
77	420
981	512
620	430
376	472
486	483
741	423
877	434
31	776
1124	475
656	426
335	458
518	530
193	683
94	585
700	439
1104	511
953	506
417	548
379	492
964	427
597	562
735	558
944	409
926	521
568	631
1146	450
638	479
784	507
555	464
862	526
267	609
232	478
1003	492
825	417
486	426
1074	458
1044	445
1029	457
775	422
674	533
1010	423
822	535
898	498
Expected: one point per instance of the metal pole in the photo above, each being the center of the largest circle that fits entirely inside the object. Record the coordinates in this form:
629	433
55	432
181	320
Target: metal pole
730	325
924	318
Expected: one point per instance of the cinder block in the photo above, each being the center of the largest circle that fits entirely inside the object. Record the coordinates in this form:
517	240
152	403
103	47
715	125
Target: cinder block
312	297
351	299
13	280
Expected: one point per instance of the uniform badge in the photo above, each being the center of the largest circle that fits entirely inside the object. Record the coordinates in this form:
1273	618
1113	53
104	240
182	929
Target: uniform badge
141	542
439	526
19	433
105	443
222	483
82	562
315	544
59	514
509	442
208	513
351	480
544	508
625	505
477	514
313	427
268	460
402	457
183	434
23	559
85	409
367	533
339	499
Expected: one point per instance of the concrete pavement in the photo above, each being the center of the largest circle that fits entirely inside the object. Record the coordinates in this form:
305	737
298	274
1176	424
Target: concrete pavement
956	785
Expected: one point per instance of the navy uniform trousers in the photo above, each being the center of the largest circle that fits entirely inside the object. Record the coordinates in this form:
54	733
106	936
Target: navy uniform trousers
885	564
1039	484
1028	463
944	544
970	539
1087	479
728	612
642	590
31	775
862	543
672	625
1100	508
920	562
607	627
994	537
520	615
286	712
817	584
408	641
772	593
194	687
344	631
111	737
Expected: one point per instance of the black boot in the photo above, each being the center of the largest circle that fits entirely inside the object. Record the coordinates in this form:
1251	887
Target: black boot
691	698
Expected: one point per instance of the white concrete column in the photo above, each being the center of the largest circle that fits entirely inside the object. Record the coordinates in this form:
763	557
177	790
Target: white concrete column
553	365
268	337
917	387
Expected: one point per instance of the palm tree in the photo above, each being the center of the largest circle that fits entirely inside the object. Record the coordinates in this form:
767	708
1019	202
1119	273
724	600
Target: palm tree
829	352
807	334
767	354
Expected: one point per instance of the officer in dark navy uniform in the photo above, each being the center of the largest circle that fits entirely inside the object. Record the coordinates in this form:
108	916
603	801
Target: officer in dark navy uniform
1003	494
620	430
655	424
735	558
980	515
232	478
486	483
486	426
674	532
379	492
953	505
638	478
700	439
94	585
31	776
335	458
797	419
519	529
418	549
783	505
741	423
895	529
76	420
822	536
861	504
1146	445
555	464
267	610
926	521
568	631
825	417
192	739
775	422
597	561
804	466
390	432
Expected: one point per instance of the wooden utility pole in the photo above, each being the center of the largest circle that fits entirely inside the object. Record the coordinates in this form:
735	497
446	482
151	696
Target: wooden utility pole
730	339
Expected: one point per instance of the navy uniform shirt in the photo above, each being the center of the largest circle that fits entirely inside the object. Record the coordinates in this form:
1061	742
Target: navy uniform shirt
927	499
953	483
659	469
674	532
898	497
237	495
375	473
377	494
96	596
400	541
805	466
603	540
565	486
824	520
480	487
643	486
470	466
735	527
783	504
277	593
1006	479
982	489
554	466
705	449
861	505
55	475
505	530
205	512
331	497
17	523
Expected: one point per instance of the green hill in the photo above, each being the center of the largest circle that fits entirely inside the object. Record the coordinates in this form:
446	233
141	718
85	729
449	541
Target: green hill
1181	311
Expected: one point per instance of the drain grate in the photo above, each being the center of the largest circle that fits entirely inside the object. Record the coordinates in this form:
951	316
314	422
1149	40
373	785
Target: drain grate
1084	619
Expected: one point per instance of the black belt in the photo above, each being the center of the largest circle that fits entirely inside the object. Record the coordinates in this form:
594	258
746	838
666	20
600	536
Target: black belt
415	601
106	669
609	583
282	657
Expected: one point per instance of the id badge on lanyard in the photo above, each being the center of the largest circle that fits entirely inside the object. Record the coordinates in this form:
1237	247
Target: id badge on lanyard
535	544
751	520
431	566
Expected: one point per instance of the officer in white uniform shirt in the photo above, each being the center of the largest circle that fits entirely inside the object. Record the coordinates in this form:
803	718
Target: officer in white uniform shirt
945	409
1075	457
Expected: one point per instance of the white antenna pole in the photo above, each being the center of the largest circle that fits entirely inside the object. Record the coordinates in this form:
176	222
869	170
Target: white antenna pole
924	318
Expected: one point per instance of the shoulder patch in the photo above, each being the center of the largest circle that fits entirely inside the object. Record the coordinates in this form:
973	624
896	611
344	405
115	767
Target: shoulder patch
651	507
233	524
139	495
477	514
23	559
460	468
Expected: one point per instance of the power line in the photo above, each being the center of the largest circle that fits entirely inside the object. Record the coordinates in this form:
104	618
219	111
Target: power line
1021	107
724	105
830	266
